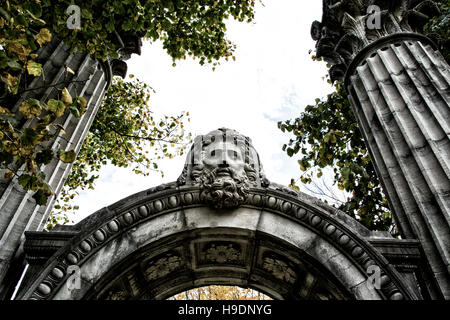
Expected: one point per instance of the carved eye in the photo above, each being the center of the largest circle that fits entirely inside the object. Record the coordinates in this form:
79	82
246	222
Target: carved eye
213	153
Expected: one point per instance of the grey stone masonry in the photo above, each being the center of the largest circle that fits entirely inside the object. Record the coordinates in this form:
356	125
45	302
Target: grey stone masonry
18	210
399	88
88	78
221	222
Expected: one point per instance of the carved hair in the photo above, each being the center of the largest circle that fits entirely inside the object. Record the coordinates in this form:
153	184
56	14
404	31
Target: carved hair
225	192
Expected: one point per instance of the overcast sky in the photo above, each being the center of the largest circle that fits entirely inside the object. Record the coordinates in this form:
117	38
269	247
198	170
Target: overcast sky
272	79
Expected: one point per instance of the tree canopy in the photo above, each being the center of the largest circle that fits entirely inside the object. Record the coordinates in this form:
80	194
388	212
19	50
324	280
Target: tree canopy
125	133
186	28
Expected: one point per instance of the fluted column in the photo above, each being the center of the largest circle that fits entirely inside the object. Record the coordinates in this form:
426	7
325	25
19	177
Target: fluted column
398	85
91	78
19	211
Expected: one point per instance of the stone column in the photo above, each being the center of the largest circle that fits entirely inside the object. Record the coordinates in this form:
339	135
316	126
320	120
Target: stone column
18	210
398	85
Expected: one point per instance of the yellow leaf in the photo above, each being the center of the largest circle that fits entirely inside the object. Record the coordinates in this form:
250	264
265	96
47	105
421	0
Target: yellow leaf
56	106
34	68
30	110
6	112
9	174
13	82
20	50
66	97
43	36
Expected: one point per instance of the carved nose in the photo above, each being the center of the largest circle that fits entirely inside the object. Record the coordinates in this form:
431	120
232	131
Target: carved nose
224	164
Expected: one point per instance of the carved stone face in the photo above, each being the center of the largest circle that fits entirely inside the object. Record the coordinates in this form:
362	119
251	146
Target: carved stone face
226	157
224	165
223	175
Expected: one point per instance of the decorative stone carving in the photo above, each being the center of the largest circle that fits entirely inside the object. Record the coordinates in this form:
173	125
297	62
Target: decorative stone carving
222	253
116	295
162	266
225	165
176	211
398	85
279	269
90	79
344	30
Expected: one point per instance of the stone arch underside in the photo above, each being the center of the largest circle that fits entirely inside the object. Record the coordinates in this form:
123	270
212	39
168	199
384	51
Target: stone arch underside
164	240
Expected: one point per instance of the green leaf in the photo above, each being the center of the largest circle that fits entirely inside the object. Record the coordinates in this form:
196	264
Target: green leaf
40	197
290	152
33	7
13	65
6	158
67	156
44	157
28	138
21	20
56	106
28	182
74	110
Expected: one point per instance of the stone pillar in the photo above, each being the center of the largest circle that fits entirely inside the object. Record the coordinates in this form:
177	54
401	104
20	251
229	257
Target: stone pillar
18	210
398	85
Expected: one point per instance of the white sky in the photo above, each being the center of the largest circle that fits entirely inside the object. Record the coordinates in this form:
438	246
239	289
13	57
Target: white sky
272	79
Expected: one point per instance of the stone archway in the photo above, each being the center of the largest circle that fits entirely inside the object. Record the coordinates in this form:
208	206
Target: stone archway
174	237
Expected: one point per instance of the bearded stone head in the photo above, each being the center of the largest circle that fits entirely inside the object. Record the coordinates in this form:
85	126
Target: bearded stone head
224	164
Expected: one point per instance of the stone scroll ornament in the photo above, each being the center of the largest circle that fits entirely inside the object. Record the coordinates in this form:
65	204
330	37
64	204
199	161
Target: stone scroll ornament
348	26
225	165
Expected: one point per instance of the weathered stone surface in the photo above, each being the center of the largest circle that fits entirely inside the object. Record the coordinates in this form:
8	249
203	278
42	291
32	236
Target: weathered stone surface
225	165
19	212
222	249
399	89
167	239
409	140
349	26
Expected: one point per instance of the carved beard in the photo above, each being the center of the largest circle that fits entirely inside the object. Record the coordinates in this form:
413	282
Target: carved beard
223	191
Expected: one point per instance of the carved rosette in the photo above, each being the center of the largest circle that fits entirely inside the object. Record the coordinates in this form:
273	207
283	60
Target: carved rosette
279	269
349	26
162	266
222	253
